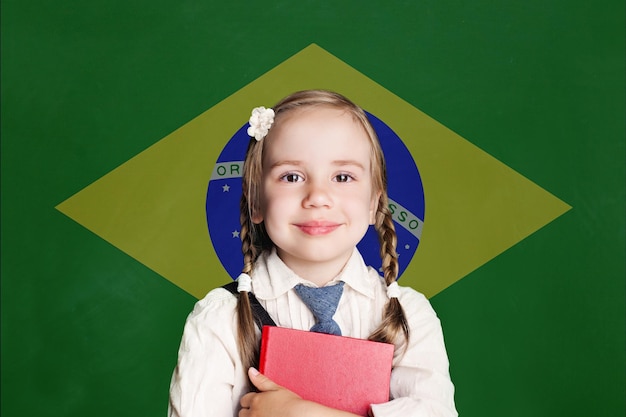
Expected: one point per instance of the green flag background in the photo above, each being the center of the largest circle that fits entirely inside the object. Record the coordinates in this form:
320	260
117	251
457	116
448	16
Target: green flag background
89	331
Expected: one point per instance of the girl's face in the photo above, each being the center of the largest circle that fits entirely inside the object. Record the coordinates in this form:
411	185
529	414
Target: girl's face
317	199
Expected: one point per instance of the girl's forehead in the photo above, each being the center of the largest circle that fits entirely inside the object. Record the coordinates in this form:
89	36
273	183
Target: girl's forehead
318	143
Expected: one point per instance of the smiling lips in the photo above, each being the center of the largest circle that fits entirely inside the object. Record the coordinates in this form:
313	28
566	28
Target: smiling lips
317	228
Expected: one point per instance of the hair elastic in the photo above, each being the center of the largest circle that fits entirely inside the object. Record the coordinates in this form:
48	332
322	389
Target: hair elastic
244	283
393	290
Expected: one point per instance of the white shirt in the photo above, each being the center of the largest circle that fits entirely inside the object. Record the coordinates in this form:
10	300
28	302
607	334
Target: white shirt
209	379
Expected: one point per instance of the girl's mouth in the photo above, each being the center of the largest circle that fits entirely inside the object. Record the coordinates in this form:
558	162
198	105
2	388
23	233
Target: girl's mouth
317	228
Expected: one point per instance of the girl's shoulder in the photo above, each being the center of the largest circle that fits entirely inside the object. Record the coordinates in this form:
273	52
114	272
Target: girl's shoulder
217	295
411	293
411	299
414	302
211	323
218	303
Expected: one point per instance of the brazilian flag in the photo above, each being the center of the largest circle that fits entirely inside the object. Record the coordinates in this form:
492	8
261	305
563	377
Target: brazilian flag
503	122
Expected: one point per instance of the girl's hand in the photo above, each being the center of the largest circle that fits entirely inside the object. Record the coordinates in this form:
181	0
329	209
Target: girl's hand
272	400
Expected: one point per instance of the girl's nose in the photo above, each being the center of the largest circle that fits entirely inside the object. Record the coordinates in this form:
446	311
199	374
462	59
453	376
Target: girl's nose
317	195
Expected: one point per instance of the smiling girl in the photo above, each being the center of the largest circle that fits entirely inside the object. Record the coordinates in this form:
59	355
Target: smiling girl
314	180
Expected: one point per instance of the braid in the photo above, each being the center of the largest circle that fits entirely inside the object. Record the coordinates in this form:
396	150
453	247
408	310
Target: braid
394	319
248	247
387	240
246	332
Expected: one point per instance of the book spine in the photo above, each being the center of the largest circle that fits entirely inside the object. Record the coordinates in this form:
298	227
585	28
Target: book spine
264	341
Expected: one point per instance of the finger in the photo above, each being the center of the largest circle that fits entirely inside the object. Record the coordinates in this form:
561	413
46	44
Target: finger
260	381
246	400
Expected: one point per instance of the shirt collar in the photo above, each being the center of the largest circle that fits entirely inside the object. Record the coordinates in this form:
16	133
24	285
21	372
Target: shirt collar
271	278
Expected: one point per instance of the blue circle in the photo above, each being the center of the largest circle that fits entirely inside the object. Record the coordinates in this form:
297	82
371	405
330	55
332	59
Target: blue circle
404	188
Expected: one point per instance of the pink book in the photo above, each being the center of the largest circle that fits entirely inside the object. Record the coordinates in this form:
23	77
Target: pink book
340	372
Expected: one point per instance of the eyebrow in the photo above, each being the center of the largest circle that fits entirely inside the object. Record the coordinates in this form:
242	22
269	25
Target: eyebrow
281	163
349	162
341	162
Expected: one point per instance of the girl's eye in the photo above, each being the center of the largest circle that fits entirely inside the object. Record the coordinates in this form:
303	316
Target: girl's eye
291	177
343	178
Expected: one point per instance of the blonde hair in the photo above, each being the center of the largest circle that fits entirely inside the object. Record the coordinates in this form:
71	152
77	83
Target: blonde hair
255	239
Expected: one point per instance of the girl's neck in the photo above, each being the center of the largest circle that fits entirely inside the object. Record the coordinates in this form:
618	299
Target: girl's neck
319	273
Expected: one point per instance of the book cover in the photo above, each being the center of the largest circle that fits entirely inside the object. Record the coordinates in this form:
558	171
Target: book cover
337	371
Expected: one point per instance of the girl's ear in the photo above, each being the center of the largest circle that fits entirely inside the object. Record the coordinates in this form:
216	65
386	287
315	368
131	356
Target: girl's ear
374	207
256	217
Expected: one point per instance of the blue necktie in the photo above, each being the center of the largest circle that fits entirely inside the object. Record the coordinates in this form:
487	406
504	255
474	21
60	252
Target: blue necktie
323	303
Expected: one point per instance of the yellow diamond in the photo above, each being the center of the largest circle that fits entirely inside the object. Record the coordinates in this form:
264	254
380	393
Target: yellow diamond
152	207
